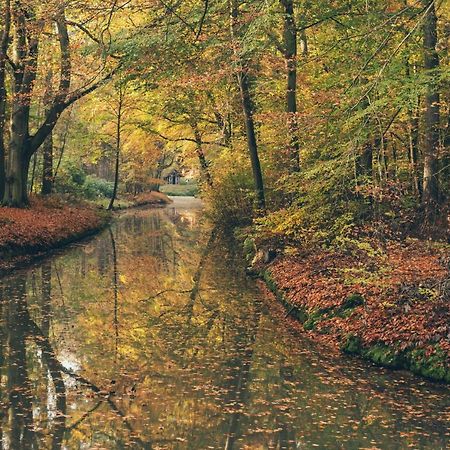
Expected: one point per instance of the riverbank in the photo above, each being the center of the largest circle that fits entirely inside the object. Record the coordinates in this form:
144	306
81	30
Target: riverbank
388	303
49	224
134	201
29	233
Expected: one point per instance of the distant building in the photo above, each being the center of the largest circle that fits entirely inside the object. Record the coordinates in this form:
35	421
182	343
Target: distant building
174	177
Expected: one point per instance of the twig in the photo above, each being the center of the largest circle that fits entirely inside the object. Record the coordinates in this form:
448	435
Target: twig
290	311
202	20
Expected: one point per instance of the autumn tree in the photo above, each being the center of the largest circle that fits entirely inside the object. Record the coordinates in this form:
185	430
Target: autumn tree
29	20
244	81
290	52
431	141
5	28
119	109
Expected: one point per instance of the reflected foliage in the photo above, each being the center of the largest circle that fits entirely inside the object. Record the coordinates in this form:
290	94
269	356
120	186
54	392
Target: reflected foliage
151	336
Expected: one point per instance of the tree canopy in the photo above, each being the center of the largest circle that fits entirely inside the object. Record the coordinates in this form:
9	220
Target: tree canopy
310	111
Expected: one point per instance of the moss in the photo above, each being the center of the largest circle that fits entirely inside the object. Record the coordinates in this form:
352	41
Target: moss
434	366
270	282
353	301
345	313
314	317
309	324
249	249
352	345
294	311
384	356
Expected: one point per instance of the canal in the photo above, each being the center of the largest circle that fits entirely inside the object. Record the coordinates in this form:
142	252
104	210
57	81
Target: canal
151	336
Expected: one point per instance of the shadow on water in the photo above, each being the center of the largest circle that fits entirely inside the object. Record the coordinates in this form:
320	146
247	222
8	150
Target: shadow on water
150	336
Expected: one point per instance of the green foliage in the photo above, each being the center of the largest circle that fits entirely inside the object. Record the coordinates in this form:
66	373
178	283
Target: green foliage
351	344
353	301
231	202
433	366
74	180
94	187
77	175
70	180
249	249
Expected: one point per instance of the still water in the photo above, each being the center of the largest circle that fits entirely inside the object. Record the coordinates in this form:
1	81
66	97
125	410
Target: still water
150	336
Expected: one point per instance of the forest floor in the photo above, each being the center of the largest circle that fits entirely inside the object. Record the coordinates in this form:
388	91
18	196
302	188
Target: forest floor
29	233
389	304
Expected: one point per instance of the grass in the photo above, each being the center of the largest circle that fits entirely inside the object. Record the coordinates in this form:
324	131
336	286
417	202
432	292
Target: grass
180	190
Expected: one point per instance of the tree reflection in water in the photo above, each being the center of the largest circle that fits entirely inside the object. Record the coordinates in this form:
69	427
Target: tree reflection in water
150	336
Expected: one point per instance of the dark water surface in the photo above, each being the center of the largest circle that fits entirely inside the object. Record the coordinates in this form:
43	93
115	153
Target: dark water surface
150	336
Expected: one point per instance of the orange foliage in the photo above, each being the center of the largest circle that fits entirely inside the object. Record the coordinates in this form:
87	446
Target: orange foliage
150	198
43	226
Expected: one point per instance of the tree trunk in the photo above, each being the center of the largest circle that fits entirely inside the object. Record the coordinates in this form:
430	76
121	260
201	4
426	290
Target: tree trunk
118	145
26	59
290	55
204	165
364	158
445	164
47	148
5	13
413	132
116	179
27	34
430	196
364	162
33	173
247	107
251	139
16	194
47	169
304	43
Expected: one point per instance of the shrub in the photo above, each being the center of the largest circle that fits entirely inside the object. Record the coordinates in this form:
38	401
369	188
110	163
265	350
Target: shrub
73	180
232	199
70	180
95	187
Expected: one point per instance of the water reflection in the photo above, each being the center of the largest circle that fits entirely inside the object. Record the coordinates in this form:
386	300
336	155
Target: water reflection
150	336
